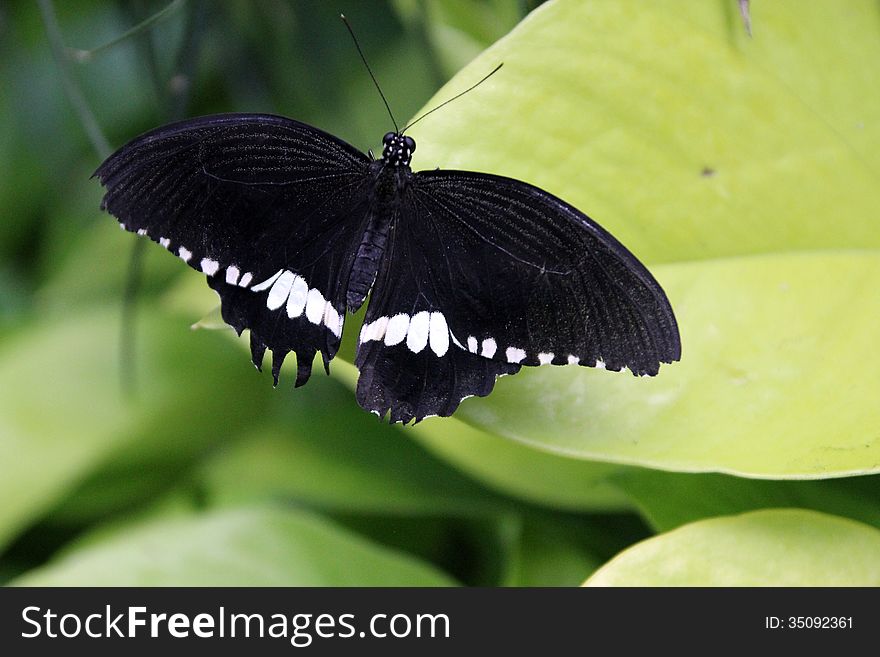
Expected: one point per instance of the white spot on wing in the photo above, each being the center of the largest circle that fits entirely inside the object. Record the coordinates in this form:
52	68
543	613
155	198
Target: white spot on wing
376	329
296	302
332	320
489	348
514	355
184	254
142	231
573	360
315	306
397	328
472	344
438	334
246	280
600	364
209	266
417	335
265	285
232	273
280	290
164	241
545	359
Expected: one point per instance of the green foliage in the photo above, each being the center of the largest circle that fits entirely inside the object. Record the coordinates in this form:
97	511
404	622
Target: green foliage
777	547
242	547
742	171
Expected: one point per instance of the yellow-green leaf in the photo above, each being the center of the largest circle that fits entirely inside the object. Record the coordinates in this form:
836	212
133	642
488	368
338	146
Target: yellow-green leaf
682	136
779	547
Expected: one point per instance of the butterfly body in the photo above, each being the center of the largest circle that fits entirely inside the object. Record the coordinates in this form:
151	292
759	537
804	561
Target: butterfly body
470	276
391	176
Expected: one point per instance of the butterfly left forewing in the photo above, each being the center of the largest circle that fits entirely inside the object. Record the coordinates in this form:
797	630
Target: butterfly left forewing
269	209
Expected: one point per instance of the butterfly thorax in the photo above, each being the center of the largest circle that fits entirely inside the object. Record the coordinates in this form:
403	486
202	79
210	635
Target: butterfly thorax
391	177
397	149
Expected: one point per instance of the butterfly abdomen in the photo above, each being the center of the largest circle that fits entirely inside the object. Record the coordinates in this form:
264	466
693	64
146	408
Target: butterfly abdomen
366	261
384	206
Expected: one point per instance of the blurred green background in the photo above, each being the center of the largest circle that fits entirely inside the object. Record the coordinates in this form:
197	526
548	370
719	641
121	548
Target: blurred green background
743	171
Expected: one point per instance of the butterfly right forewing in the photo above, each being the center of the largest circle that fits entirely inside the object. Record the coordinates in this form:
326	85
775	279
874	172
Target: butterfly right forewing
537	277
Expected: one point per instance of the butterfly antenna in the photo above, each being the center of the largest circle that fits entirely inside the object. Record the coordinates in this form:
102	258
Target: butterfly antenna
455	97
369	70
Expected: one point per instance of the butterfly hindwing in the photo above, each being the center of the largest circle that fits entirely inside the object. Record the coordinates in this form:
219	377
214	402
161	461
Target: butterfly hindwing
270	209
514	276
409	366
402	385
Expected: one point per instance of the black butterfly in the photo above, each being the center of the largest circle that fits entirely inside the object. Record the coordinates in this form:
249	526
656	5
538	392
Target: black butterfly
471	275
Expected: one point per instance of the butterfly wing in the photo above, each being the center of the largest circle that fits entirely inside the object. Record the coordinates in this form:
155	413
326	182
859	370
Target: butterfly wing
270	209
490	274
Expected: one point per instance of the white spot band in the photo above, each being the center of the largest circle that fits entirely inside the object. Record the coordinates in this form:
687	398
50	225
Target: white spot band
438	334
209	266
417	335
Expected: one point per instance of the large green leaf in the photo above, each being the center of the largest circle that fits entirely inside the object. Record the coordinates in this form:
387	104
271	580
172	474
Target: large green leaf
64	417
239	547
780	547
683	137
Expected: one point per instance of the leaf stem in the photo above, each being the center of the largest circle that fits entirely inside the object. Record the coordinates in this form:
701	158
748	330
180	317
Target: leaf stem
71	86
86	55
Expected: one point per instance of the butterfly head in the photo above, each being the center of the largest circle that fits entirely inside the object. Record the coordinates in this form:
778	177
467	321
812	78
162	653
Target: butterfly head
397	149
